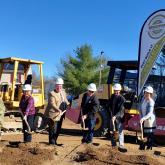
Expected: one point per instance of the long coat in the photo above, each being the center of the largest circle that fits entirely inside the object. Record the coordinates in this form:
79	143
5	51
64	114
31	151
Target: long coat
55	100
148	114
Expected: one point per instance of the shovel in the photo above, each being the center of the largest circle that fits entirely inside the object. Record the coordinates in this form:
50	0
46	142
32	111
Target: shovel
115	132
54	120
141	138
83	121
27	124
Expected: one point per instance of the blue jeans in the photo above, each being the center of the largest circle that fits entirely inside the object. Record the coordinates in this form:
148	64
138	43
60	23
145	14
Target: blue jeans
88	134
119	127
30	120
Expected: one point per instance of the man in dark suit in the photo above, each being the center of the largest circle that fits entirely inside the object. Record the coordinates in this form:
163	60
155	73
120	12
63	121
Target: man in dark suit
116	106
89	106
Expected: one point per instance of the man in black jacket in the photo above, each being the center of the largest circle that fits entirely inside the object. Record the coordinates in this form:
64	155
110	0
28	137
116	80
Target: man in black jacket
89	106
116	107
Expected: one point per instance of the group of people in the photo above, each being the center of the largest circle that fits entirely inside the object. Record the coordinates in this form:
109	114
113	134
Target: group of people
90	106
58	103
146	111
54	113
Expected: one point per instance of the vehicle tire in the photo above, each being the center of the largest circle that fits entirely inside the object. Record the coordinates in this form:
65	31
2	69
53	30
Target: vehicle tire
102	123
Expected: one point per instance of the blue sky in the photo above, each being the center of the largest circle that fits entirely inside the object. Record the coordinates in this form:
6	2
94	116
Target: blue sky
48	30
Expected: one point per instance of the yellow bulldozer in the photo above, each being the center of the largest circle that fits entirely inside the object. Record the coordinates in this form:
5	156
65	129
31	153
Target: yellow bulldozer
14	73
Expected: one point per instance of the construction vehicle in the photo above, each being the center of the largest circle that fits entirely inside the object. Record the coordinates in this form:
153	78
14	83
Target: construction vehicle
125	73
134	76
117	73
14	73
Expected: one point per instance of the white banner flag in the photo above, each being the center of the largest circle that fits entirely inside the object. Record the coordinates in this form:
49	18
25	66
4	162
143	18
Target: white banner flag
152	39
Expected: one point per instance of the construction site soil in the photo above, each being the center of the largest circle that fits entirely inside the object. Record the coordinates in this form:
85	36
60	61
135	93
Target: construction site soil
14	152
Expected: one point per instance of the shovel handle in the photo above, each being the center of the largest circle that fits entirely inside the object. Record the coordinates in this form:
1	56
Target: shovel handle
62	113
113	124
83	122
27	124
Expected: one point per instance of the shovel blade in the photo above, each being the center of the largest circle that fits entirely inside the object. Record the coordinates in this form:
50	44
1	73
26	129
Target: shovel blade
142	139
116	135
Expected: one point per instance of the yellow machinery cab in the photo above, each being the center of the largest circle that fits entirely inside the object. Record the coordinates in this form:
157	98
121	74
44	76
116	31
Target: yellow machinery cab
14	73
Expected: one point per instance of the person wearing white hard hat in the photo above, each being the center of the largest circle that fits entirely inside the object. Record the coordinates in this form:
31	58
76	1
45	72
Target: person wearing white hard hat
57	104
89	107
28	110
147	116
116	107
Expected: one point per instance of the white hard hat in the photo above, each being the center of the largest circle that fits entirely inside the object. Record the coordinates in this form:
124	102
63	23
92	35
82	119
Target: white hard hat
92	87
117	87
59	80
149	89
27	87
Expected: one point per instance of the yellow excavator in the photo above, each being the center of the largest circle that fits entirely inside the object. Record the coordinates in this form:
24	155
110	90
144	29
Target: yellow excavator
14	73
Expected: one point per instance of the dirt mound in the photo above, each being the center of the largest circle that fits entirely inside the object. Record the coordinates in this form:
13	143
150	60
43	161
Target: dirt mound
73	152
104	155
26	154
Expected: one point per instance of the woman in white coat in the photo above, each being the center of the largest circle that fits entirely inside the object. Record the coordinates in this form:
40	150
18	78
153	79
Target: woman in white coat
148	116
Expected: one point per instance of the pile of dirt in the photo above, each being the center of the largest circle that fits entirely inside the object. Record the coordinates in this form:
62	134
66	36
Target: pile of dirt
104	155
26	154
14	152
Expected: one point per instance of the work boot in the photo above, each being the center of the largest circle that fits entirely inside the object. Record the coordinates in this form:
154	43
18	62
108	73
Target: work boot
149	146
122	148
83	140
56	144
142	146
